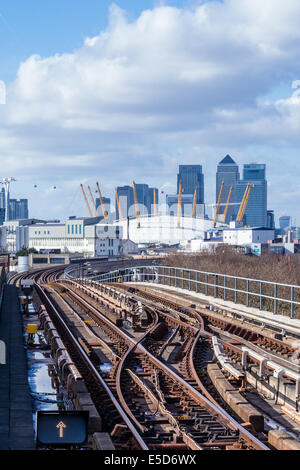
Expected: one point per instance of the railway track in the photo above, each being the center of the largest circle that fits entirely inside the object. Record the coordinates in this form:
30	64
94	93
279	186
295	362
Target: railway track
202	380
217	422
211	320
155	392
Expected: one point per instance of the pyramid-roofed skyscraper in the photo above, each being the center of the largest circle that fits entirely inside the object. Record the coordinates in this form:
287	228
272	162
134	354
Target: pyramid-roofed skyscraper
227	171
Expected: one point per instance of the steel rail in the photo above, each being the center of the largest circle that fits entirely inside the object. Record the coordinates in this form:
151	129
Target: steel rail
232	423
94	371
217	322
119	372
148	273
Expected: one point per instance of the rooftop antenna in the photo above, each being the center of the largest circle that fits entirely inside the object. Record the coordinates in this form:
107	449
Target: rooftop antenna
6	183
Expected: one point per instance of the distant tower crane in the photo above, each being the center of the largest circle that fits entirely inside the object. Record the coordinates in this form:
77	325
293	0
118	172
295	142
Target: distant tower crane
5	182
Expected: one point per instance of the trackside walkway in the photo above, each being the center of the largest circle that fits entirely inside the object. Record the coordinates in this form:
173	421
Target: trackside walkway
16	424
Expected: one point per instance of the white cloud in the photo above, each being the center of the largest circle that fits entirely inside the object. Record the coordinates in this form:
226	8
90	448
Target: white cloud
129	98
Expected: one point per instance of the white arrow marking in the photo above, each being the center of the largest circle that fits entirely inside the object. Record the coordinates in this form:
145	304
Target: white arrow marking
61	426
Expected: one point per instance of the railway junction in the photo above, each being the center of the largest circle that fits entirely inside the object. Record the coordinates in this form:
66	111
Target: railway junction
144	364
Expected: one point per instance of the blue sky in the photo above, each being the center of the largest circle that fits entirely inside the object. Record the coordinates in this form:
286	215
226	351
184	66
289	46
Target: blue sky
133	88
48	27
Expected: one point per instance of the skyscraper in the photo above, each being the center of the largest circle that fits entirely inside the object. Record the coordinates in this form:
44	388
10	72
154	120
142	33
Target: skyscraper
145	197
142	192
2	215
2	198
254	172
256	210
2	203
191	177
271	220
126	199
284	221
227	171
18	209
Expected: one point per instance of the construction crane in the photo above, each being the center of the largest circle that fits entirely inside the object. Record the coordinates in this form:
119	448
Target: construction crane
119	205
179	204
194	203
218	204
227	205
93	203
101	202
154	203
244	206
136	202
86	201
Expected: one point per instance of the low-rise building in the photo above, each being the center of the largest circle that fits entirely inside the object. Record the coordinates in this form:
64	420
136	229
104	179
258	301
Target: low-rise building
72	236
84	236
198	245
284	248
128	247
77	235
247	235
17	233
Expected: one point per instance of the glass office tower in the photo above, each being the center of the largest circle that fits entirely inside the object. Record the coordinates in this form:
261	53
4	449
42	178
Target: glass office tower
256	210
126	199
145	197
191	177
284	221
18	209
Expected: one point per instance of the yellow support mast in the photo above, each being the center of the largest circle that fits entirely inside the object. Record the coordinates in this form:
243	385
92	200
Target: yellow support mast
227	205
93	202
179	204
154	203
194	203
245	203
242	203
119	205
218	204
136	202
86	201
104	212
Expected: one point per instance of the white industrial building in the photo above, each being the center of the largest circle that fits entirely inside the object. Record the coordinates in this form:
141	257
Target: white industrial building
164	229
128	247
83	236
17	233
247	235
198	245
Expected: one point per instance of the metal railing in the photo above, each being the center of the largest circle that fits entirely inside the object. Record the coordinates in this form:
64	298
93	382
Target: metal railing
273	297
